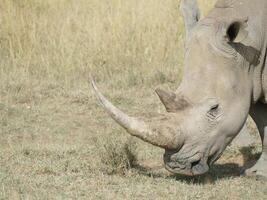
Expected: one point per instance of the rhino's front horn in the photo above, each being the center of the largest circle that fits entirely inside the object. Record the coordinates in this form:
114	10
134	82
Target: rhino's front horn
161	132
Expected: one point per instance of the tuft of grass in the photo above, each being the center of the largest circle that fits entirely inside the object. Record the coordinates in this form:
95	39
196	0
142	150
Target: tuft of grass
117	155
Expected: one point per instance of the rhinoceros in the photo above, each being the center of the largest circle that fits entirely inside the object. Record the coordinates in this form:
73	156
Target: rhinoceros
224	81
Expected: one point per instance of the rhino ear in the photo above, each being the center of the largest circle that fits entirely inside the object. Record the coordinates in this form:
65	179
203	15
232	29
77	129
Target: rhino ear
191	15
167	98
236	32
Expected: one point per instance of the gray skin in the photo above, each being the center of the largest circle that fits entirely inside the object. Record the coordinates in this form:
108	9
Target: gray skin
224	81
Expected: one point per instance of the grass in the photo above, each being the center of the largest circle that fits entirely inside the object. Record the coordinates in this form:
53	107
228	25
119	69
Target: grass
55	140
117	156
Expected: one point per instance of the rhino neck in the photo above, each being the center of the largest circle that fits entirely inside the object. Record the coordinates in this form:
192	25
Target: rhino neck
258	37
260	71
263	77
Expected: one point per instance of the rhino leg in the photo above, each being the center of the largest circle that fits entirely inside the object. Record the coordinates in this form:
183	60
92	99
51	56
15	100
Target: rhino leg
244	138
259	115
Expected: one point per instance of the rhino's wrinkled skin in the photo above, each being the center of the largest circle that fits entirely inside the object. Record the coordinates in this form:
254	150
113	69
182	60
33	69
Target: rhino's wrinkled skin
224	81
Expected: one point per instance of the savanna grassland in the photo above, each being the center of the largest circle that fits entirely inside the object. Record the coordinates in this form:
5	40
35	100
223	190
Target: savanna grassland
56	142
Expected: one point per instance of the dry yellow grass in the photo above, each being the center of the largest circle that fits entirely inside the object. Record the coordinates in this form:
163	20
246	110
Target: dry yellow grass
54	137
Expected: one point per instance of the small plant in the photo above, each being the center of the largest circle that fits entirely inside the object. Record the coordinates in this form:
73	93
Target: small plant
117	156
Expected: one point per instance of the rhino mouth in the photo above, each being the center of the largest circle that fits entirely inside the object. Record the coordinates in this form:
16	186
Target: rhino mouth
196	165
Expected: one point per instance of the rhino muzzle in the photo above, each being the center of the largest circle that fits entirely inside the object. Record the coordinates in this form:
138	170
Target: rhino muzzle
190	167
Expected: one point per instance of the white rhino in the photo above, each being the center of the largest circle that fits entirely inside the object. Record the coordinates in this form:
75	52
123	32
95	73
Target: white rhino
224	81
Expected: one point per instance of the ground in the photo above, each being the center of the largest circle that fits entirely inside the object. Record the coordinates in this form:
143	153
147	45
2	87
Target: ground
56	142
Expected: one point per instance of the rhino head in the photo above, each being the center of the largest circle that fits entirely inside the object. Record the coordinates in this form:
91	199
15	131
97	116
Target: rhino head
212	102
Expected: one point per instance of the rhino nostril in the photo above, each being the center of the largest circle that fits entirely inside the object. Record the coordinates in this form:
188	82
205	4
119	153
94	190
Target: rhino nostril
195	163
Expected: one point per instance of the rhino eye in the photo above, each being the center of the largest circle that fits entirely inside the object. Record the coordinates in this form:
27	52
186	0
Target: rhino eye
213	112
233	31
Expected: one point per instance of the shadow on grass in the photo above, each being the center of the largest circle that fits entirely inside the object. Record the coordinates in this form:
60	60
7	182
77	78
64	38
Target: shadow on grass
217	171
250	155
